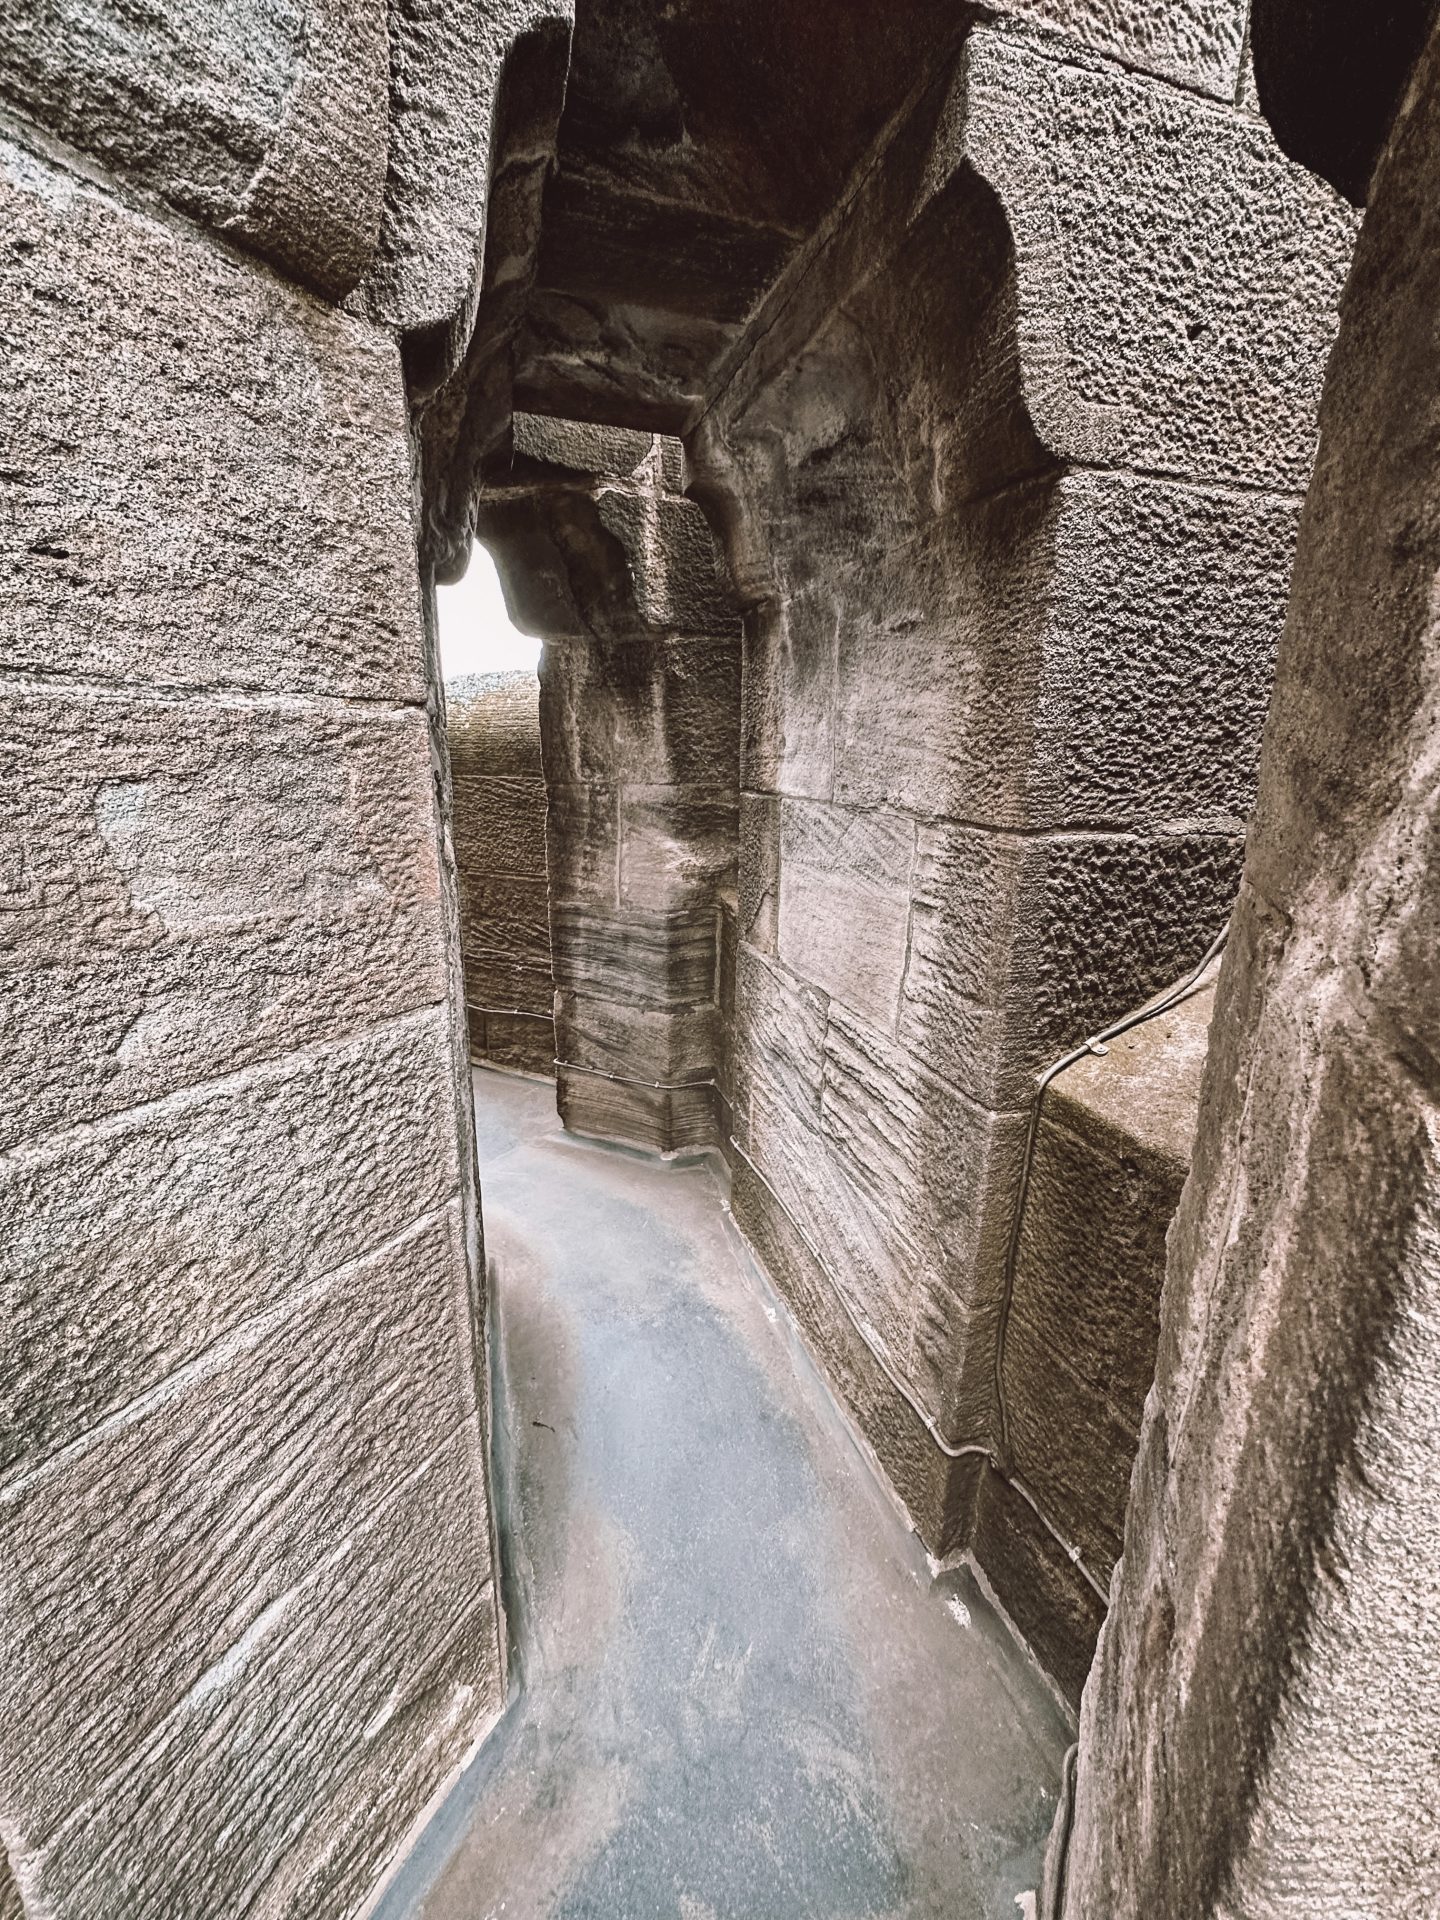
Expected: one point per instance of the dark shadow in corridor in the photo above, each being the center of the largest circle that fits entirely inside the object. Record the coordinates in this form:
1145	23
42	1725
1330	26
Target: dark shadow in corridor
741	1692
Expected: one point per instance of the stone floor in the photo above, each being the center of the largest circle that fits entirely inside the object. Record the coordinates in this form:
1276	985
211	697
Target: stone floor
739	1690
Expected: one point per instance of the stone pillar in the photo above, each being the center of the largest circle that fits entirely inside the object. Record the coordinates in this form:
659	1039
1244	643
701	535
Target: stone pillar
1259	1736
492	724
1009	467
639	720
247	1587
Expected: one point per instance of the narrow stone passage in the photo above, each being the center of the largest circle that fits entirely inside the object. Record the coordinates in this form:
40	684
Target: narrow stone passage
739	1691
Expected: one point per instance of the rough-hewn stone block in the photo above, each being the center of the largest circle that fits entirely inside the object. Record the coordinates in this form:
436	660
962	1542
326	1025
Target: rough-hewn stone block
845	883
677	846
269	122
498	826
195	885
228	1555
204	1209
1198	42
650	959
198	458
1022	947
1179	278
645	1043
492	724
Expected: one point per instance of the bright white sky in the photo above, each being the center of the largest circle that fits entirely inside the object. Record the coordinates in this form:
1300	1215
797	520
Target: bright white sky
475	631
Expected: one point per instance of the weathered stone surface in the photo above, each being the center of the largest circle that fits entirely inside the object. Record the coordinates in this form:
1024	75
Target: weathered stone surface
650	959
225	1556
660	1119
448	65
334	1151
1260	1731
197	458
845	904
193	886
498	809
663	1044
492	724
939	1493
677	845
658	710
269	122
499	826
639	718
1198	43
1020	948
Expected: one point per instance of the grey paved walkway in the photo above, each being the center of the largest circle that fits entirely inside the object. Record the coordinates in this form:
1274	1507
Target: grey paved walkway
740	1694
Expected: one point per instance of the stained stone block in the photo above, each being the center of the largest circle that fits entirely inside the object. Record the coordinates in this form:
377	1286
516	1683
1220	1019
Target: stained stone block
448	67
492	723
1045	1595
657	710
788	694
507	915
1111	1156
231	1556
758	880
196	886
937	1176
648	1043
394	1714
1097	650
582	833
845	903
678	578
270	123
649	959
677	846
661	1120
779	1041
203	1210
198	457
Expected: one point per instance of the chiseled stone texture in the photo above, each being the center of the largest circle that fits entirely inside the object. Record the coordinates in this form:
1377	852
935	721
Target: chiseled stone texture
1009	467
1260	1733
250	1621
448	68
492	723
1078	1355
266	119
1197	42
197	457
639	725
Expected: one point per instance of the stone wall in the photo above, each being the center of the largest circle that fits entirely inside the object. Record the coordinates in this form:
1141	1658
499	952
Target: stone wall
247	1584
639	714
1260	1733
1009	465
1082	1315
492	723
